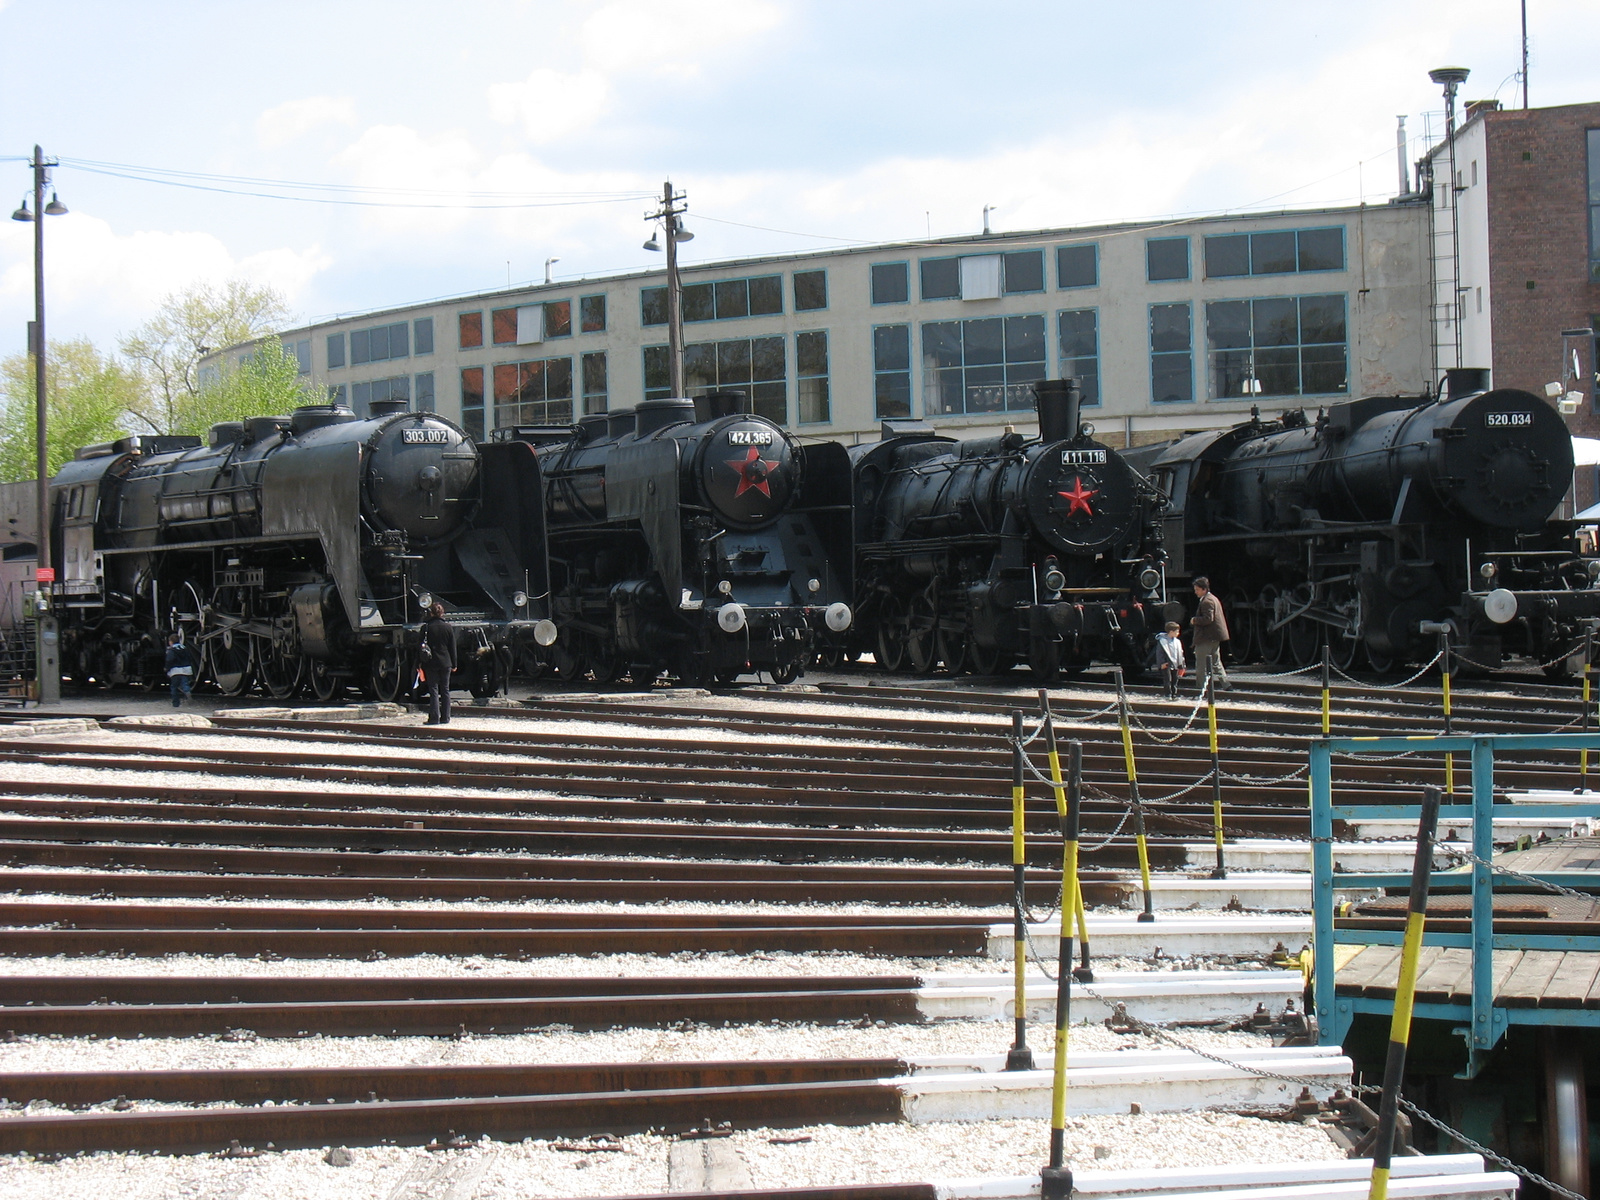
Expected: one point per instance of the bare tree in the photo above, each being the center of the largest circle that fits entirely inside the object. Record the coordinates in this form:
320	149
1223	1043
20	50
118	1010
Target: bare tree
167	349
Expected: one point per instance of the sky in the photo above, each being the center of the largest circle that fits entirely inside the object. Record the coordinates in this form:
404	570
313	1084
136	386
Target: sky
465	144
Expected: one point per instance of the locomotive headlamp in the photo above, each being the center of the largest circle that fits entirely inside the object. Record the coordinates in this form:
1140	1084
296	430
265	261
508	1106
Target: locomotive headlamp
1593	567
425	599
1487	570
1054	580
725	587
813	585
519	599
730	618
1149	579
1086	430
544	632
838	616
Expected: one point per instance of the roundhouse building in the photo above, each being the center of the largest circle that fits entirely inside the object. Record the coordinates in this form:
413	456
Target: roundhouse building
1172	326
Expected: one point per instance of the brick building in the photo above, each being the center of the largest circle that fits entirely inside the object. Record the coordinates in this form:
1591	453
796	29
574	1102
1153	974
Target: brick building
1523	292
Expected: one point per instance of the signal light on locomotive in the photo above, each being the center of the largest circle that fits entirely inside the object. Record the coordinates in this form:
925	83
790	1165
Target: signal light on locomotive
519	599
725	587
813	585
425	599
1054	579
1593	567
1149	579
544	631
1487	570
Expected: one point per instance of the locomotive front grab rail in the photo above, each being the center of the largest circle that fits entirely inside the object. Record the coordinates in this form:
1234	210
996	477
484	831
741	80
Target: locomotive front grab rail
1481	1022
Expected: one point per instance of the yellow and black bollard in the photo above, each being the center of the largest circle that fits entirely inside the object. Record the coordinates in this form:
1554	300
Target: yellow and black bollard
1442	628
1020	1057
1056	1179
1327	691
1133	796
1394	1066
1083	973
1220	871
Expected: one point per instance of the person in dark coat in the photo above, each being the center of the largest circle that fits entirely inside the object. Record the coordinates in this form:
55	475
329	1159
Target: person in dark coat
180	667
1210	631
438	660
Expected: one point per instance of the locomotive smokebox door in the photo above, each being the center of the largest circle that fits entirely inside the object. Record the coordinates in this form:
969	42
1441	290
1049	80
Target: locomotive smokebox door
747	472
1081	498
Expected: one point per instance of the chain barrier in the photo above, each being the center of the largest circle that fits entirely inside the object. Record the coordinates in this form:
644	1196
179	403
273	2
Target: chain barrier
1306	670
1157	1033
1544	666
1194	712
1291	777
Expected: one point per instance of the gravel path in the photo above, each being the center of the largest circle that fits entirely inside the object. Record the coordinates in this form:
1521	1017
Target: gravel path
829	1155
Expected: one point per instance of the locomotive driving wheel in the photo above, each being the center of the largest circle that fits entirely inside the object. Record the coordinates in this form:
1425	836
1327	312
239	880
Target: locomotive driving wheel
229	661
892	632
1044	659
954	644
786	672
1271	639
325	685
387	673
1244	624
988	660
922	627
280	668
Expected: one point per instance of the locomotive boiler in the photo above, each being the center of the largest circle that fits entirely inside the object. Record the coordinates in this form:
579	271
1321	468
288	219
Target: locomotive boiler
1381	515
300	549
980	552
692	537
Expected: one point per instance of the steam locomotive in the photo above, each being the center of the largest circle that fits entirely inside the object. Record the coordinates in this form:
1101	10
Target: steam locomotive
1384	514
298	550
691	537
981	552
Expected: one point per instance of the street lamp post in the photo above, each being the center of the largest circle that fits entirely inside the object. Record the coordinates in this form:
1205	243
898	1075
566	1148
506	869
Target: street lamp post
49	671
668	215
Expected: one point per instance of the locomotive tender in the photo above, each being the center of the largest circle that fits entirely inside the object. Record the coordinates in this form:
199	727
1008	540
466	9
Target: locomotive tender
693	537
297	549
1382	514
979	552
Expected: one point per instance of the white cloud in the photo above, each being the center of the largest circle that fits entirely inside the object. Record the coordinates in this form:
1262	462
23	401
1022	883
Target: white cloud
550	104
640	36
289	122
103	284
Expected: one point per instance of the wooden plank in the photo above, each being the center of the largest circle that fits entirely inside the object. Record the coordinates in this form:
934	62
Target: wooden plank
1505	962
1572	982
1525	984
1371	973
1444	976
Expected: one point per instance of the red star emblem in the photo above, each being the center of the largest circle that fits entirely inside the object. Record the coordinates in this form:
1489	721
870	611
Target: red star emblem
1078	497
753	471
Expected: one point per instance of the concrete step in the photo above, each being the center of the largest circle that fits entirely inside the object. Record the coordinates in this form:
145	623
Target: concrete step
1270	854
1154	996
1174	934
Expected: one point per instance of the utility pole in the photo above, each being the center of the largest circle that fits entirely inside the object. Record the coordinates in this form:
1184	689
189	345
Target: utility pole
671	209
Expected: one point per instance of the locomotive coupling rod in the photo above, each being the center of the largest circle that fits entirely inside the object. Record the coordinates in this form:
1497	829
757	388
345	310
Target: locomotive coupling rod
1220	871
1056	1179
1405	991
1020	1058
1133	796
1083	973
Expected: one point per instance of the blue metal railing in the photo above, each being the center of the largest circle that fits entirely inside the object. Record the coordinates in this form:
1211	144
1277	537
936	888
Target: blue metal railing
1482	1022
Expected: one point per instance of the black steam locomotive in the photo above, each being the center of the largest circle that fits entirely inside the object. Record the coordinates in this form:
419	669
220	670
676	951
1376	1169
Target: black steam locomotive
1382	514
691	537
298	550
981	552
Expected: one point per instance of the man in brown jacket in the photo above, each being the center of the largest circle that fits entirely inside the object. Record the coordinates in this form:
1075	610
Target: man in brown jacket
1210	631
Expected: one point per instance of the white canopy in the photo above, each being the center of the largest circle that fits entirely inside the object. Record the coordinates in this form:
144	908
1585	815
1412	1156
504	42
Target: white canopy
1585	452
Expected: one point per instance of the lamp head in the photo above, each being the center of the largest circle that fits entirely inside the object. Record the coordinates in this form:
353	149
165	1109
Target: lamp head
1449	76
680	234
55	208
22	214
652	244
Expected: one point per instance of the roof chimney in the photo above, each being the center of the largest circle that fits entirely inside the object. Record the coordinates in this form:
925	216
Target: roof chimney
1475	107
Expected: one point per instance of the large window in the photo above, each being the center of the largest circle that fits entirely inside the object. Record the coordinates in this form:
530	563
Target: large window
757	296
1078	266
756	366
1171	354
981	366
594	382
1166	258
533	393
810	290
1080	350
558	319
335	350
1280	346
469	327
592	314
891	371
364	395
422	335
811	376
380	344
1276	252
504	326
302	354
422	396
472	401
982	276
890	283
1594	205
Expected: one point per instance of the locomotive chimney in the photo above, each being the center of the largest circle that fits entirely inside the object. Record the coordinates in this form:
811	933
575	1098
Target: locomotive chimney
711	405
1059	401
1465	381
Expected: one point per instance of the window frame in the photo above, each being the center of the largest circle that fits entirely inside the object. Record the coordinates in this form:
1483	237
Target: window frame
1020	390
1005	281
922	277
1094	254
794	294
584	305
1152	352
522	373
877	373
463	321
1299	346
1188	259
801	379
584	391
1098	400
905	278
